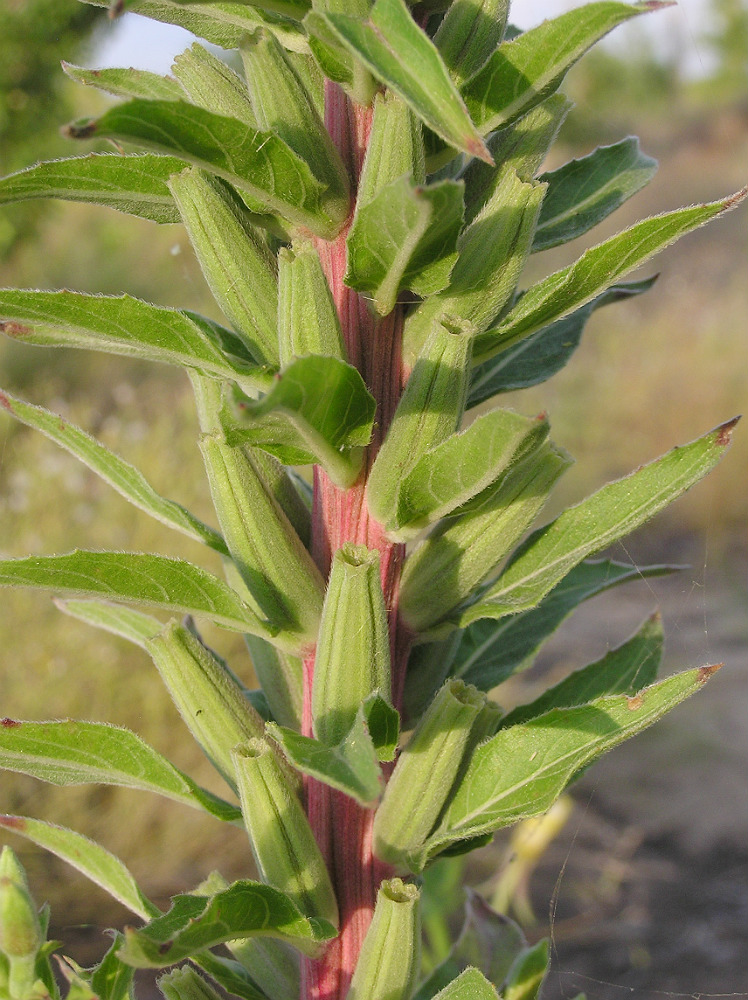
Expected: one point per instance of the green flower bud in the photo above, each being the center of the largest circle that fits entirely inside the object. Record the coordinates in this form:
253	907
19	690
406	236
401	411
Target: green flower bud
283	106
209	697
270	557
211	84
282	841
185	984
395	148
353	646
429	410
469	33
308	321
467	549
421	783
390	960
236	262
20	931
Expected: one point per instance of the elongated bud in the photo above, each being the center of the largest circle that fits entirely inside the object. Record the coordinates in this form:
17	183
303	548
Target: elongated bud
390	959
469	33
465	550
395	148
208	696
211	84
185	984
353	647
21	934
269	555
429	410
281	678
492	251
283	844
308	321
286	492
283	106
424	775
236	262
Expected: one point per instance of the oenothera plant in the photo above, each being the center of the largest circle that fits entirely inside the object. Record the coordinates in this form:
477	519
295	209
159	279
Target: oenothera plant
362	200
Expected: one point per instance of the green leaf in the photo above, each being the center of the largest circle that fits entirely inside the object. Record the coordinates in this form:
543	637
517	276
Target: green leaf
80	753
613	512
405	238
403	57
134	184
524	71
469	34
536	358
489	652
88	857
124	622
197	922
469	985
123	477
351	766
463	465
123	325
319	410
597	269
583	192
256	162
111	979
230	975
624	670
286	8
222	23
528	974
127	82
522	770
488	941
136	578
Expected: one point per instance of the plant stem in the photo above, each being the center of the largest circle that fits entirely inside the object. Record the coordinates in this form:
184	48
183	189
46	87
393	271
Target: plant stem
342	827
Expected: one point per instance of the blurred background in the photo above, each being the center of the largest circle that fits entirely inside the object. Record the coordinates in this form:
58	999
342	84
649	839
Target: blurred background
646	886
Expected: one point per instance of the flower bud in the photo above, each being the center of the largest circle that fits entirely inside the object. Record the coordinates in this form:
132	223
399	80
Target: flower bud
208	696
185	984
308	321
421	783
353	646
390	959
21	934
282	841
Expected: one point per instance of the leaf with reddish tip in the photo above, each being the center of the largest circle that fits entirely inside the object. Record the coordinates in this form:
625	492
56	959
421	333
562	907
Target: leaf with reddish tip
80	753
523	769
596	270
402	56
613	512
88	857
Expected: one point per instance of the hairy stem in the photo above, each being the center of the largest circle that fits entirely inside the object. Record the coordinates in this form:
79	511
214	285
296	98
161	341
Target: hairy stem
342	827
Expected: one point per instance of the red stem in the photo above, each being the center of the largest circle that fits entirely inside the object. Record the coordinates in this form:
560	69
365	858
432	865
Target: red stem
342	827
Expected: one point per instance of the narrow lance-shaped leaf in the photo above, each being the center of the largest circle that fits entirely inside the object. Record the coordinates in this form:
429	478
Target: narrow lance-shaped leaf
469	985
524	71
197	922
286	8
123	477
136	578
402	56
536	358
405	238
88	857
583	192
523	769
624	670
254	161
489	652
122	621
611	513
127	82
80	753
319	410
528	974
134	184
127	326
222	23
597	269
230	975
